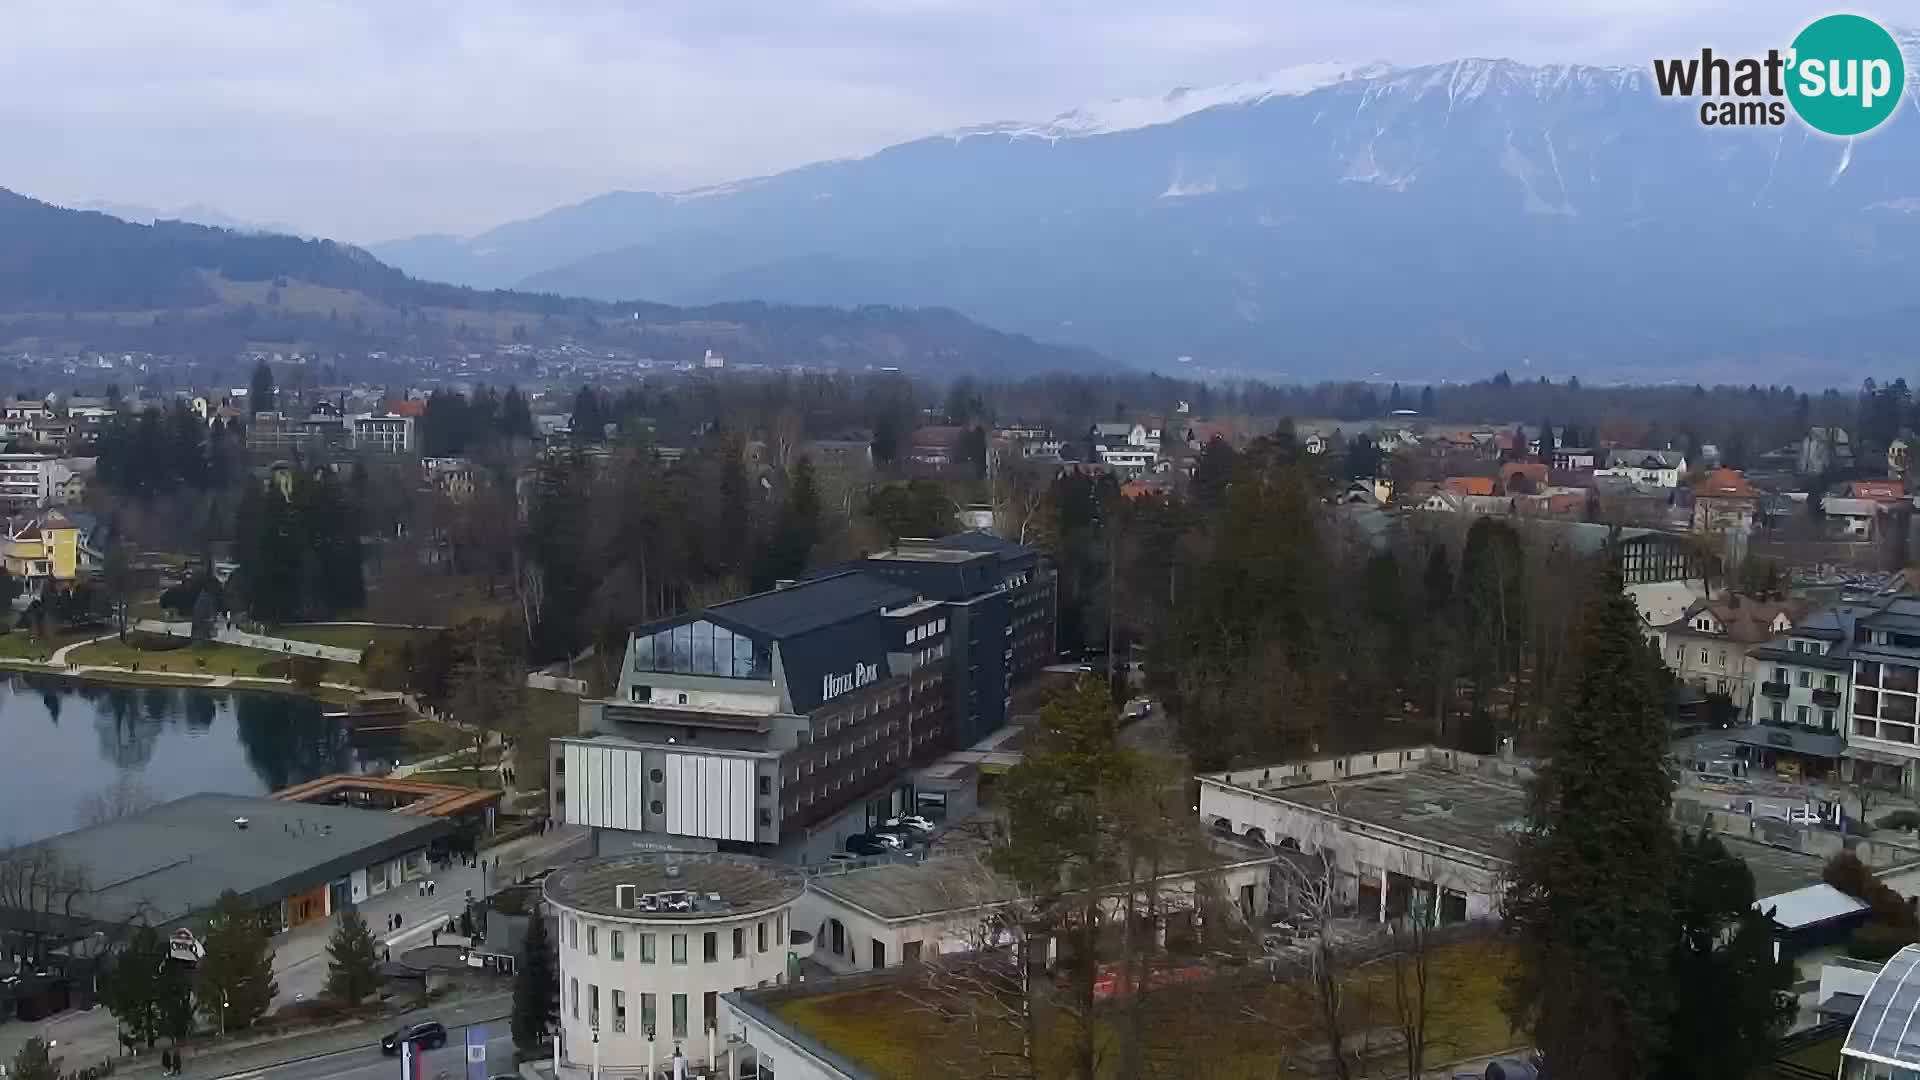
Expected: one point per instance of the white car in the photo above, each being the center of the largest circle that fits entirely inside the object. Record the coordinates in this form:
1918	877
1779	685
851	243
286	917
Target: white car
911	821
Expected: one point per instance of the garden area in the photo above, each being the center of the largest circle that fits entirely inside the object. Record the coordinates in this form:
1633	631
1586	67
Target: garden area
160	653
1243	1030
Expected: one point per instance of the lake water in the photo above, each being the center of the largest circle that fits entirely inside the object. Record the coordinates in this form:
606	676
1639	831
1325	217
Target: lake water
64	741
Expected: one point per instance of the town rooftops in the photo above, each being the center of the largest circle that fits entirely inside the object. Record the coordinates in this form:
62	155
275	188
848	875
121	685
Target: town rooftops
1646	459
1744	619
717	886
813	604
176	858
1724	484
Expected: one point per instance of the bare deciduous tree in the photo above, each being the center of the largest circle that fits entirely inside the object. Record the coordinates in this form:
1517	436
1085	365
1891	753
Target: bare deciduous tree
39	900
987	982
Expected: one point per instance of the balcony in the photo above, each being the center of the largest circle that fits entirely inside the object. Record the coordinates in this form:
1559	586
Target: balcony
1827	699
1776	689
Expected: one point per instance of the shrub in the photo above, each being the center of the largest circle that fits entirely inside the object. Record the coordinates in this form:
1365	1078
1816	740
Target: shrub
306	671
1900	819
1879	941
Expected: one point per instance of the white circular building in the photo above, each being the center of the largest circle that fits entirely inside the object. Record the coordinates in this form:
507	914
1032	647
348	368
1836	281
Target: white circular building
650	942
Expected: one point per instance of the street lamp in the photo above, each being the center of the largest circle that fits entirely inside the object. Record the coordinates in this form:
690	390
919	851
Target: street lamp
596	1050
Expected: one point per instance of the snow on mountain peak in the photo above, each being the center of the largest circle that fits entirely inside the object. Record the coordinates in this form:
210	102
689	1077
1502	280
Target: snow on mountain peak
1126	114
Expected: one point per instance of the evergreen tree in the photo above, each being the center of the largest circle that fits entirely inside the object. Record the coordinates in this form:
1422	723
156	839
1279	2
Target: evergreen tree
516	419
886	441
132	989
797	531
235	980
589	416
1546	441
1732	999
260	395
353	967
1589	901
1426	401
32	1062
536	987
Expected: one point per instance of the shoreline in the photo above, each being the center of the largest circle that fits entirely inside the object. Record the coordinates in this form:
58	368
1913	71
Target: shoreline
171	680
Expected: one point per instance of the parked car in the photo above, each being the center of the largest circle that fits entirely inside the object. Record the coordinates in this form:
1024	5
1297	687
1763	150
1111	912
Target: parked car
866	844
913	823
425	1035
843	857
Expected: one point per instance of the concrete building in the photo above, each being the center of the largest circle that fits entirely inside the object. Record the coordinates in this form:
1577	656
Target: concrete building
786	719
297	862
649	945
790	720
1796	709
35	482
1882	744
1421	826
380	432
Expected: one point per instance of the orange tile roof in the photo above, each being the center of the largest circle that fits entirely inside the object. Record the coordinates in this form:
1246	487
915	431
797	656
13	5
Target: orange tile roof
1470	485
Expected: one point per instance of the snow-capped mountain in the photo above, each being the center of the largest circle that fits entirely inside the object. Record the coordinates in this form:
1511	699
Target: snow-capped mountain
1126	114
1439	220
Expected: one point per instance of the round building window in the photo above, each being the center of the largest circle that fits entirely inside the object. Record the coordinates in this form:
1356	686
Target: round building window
655	807
656	776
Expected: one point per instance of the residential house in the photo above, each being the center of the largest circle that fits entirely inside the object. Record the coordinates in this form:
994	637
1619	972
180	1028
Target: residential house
1523	477
1118	434
934	446
1857	519
1723	501
452	475
1878	490
1468	485
1707	646
1823	449
35	482
43	551
1127	460
1804	682
1653	468
384	433
1575	458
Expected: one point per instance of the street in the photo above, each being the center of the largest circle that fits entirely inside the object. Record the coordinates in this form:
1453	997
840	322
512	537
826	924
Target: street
368	1063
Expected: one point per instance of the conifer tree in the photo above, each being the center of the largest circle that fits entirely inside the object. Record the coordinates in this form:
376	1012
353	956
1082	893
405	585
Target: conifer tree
1589	901
353	967
33	1063
236	984
536	987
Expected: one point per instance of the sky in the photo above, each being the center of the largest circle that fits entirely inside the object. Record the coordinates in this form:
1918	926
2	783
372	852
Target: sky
368	120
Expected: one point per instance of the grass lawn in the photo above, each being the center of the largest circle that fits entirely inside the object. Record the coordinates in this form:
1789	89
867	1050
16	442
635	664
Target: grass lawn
548	713
1243	1031
21	645
486	778
199	658
351	637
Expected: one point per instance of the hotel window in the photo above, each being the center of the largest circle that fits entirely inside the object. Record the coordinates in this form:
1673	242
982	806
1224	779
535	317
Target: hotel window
573	932
593	1006
710	1010
710	948
679	948
573	995
593	941
619	1010
760	935
646	948
617	944
1831	683
1780	675
679	1016
739	942
1826	719
1802	714
646	1015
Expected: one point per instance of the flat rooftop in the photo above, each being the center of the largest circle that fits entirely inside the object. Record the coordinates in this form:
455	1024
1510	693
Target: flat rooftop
1464	810
927	555
424	799
723	885
178	857
1776	870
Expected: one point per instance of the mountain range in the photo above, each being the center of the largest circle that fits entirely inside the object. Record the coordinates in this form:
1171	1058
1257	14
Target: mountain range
85	279
1433	221
192	214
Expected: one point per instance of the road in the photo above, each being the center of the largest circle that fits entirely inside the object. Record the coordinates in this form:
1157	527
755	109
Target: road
368	1063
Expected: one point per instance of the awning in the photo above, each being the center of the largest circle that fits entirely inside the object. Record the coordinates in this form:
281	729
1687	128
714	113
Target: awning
1810	906
1787	739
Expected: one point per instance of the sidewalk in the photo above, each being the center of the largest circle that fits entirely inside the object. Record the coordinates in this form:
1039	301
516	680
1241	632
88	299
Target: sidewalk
264	642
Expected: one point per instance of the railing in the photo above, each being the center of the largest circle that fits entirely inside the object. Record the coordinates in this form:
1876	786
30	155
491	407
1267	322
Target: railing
1827	699
1775	689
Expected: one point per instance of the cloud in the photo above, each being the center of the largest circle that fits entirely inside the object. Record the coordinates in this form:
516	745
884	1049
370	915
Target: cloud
368	119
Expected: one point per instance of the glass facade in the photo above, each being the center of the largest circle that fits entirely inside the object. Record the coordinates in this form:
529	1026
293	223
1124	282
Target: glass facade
701	648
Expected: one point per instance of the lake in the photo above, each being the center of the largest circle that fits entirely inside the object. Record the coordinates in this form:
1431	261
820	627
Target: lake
64	742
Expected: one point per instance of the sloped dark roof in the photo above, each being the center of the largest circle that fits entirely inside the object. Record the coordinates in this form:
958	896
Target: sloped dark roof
812	604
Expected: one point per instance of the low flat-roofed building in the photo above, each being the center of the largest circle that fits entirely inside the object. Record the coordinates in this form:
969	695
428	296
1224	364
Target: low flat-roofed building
471	807
1419	825
295	860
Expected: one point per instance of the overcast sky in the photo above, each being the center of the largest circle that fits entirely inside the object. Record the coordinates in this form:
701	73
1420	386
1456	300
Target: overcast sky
372	119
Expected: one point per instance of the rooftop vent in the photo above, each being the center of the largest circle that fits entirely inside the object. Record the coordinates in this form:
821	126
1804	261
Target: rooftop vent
673	870
623	897
240	823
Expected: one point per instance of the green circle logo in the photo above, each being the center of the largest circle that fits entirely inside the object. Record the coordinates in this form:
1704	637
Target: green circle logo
1845	75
